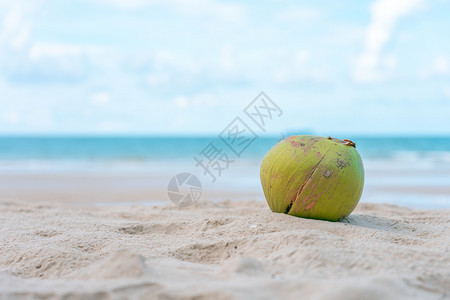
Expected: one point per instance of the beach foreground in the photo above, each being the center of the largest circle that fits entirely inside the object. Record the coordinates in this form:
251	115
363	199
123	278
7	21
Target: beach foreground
225	250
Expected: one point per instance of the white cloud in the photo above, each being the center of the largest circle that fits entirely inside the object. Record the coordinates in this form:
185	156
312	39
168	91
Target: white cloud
161	66
204	99
194	8
16	27
385	14
158	79
100	98
299	14
166	59
439	66
296	66
130	4
181	102
198	100
11	118
41	61
446	91
227	62
25	60
111	126
344	35
41	50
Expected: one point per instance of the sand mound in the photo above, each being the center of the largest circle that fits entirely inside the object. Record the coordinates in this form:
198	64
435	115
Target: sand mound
121	264
222	250
245	265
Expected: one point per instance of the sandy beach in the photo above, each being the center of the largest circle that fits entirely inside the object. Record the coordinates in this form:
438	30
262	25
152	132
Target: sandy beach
220	250
145	147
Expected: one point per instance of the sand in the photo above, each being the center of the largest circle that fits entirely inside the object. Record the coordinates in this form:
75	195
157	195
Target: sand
225	250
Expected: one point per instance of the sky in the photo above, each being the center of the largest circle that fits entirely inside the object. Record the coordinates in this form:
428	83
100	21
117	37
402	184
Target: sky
190	67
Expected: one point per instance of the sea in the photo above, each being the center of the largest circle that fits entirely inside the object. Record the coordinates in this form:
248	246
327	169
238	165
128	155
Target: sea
407	171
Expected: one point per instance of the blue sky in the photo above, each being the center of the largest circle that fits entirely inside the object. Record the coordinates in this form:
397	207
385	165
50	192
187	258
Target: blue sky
190	67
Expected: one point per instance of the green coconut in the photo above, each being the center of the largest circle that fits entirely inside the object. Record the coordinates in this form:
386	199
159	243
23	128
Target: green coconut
313	177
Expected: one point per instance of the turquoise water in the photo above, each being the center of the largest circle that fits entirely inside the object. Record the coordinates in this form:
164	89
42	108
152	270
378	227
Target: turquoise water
408	171
157	148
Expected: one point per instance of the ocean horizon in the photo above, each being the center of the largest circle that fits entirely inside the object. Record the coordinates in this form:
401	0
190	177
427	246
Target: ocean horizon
162	147
407	171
